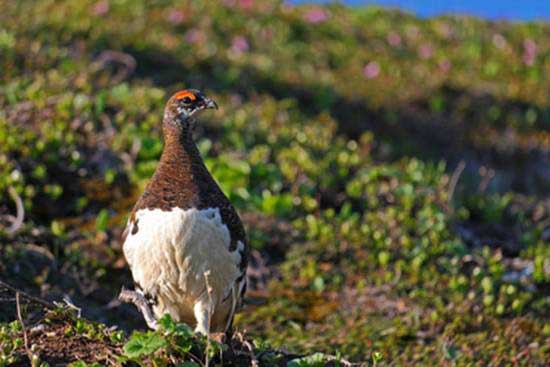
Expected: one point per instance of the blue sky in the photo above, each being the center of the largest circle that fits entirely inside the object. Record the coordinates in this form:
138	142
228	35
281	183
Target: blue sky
493	9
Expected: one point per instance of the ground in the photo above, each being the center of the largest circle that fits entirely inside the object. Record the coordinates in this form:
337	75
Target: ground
392	174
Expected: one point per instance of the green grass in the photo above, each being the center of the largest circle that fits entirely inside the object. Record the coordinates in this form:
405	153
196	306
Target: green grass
338	141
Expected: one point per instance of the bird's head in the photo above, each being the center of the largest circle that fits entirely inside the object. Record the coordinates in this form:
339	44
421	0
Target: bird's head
186	103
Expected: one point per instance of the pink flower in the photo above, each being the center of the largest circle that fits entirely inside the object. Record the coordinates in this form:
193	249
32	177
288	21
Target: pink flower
239	44
195	35
371	70
394	39
529	52
176	16
315	15
246	4
425	51
101	7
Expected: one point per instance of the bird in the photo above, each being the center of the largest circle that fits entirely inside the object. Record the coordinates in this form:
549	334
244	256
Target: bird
184	241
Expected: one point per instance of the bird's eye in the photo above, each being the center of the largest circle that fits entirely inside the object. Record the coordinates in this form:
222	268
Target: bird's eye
186	100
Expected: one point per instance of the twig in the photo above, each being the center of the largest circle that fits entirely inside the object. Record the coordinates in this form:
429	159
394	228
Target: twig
253	360
69	303
454	180
25	338
141	303
20	216
42	251
209	291
37	300
486	177
111	56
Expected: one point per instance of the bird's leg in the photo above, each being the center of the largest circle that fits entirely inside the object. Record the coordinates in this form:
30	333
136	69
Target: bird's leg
139	300
202	311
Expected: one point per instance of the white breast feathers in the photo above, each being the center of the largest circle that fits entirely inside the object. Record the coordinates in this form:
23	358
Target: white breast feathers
169	253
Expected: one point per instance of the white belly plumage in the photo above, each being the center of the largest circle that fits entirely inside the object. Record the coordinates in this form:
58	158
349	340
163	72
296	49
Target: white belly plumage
169	254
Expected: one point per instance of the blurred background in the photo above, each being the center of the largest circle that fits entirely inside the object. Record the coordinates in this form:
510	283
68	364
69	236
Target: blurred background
392	165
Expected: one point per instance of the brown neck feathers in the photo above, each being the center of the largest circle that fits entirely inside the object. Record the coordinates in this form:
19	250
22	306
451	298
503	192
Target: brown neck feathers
179	171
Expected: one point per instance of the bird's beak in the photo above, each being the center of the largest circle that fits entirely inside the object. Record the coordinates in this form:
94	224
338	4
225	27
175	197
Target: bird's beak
210	103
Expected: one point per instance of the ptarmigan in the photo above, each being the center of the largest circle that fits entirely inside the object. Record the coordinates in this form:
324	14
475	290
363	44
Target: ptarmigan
184	241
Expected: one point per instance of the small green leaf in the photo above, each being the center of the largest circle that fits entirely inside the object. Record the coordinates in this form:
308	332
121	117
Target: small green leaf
143	344
102	220
318	284
314	360
376	357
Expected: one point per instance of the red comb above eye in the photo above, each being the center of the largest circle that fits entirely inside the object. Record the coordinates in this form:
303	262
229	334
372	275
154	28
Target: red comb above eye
183	94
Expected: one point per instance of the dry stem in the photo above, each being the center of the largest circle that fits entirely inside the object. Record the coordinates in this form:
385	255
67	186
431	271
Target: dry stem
20	318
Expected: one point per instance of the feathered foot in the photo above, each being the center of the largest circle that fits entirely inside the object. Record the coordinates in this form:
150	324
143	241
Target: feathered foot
139	300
